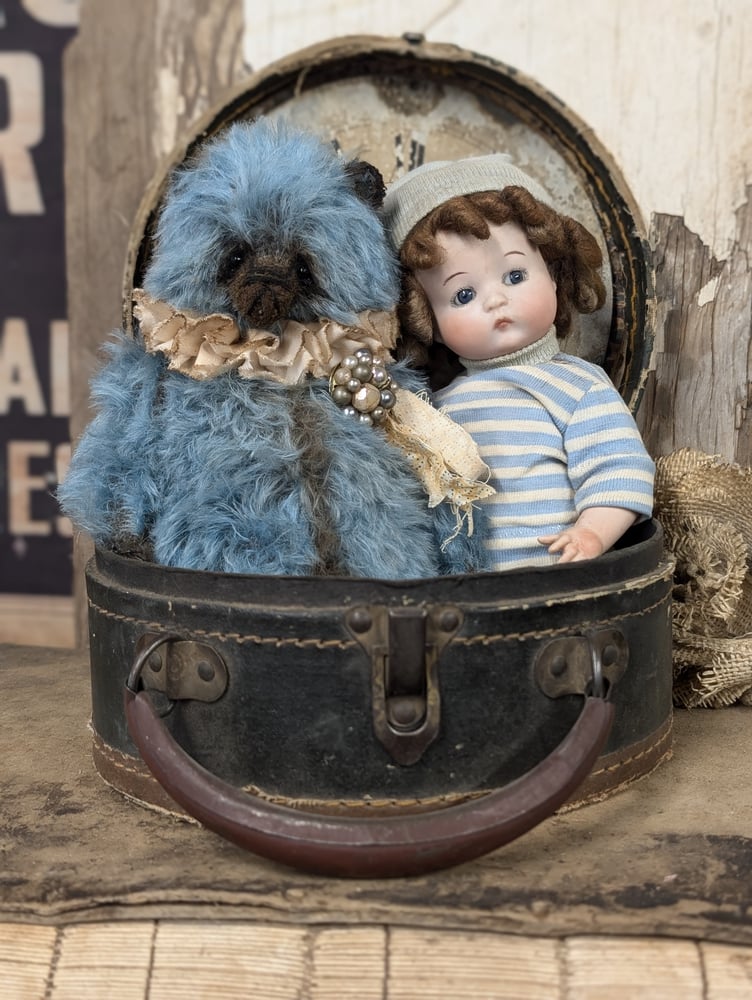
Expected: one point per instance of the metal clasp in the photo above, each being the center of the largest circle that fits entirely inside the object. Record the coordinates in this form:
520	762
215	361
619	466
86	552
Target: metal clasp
404	645
590	663
181	669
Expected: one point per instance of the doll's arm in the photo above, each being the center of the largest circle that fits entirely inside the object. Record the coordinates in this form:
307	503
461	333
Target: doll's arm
594	532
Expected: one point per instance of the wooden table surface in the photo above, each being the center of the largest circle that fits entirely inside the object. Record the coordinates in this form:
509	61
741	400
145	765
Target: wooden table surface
646	895
215	959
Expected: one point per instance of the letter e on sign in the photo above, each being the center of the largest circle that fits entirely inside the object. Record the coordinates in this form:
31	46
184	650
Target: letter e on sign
22	484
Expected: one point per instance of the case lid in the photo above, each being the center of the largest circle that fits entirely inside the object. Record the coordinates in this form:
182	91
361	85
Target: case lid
400	102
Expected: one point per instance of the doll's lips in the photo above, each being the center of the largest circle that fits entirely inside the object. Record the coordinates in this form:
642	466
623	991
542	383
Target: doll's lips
502	322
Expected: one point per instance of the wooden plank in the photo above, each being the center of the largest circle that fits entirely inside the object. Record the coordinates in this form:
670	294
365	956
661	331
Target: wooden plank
140	74
656	106
131	960
249	960
100	960
437	965
136	76
31	620
654	109
699	394
348	963
26	954
633	969
728	971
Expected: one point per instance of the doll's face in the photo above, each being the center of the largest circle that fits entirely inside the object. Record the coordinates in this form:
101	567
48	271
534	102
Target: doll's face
490	297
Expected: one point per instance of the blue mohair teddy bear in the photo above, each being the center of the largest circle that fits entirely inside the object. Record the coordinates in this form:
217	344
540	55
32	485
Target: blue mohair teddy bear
239	430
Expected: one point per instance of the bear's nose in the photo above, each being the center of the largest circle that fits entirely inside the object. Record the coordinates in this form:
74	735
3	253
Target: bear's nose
268	303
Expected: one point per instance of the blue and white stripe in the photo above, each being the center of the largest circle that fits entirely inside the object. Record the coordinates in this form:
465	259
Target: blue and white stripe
558	439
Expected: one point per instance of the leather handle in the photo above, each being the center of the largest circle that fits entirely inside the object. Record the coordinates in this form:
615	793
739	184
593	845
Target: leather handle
369	847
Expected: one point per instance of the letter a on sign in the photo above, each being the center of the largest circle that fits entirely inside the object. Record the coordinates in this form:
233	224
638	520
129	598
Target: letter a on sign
18	372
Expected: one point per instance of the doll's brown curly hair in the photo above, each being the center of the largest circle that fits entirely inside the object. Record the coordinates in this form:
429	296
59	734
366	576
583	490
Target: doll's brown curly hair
571	253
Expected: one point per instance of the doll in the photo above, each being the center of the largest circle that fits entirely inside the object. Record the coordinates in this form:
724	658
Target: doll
218	443
493	273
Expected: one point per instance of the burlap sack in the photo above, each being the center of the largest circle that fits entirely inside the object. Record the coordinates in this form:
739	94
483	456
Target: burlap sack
705	507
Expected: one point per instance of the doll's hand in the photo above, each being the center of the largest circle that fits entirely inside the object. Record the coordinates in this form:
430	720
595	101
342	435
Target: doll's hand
574	544
595	531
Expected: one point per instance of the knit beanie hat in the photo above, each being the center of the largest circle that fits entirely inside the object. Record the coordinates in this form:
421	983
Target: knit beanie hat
421	190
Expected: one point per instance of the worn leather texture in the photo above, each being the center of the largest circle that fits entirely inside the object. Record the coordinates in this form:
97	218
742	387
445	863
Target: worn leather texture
296	721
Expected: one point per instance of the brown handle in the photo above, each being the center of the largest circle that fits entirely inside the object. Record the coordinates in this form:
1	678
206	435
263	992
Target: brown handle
369	847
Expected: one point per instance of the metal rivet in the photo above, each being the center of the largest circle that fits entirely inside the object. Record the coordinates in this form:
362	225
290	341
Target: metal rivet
449	620
609	655
205	671
360	620
559	665
155	662
405	712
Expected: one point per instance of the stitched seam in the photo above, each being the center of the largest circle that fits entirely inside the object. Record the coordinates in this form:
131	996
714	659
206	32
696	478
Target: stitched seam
628	760
445	797
106	753
236	637
281	642
120	766
485	640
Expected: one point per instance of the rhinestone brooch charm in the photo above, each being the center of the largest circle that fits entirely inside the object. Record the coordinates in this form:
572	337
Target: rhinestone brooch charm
362	388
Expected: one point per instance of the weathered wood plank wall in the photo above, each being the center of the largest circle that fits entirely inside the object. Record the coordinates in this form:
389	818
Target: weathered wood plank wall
666	88
136	76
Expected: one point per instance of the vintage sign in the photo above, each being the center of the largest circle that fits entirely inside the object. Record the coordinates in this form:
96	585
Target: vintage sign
35	541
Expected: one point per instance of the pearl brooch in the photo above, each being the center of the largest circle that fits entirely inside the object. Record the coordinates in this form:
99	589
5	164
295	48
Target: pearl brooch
362	388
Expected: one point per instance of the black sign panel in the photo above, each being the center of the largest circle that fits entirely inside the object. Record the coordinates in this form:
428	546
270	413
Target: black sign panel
35	541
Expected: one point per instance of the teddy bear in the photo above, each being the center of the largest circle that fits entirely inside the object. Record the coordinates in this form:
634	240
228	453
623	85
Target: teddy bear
256	421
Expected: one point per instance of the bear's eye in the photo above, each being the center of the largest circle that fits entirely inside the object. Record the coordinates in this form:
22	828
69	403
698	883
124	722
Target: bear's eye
231	262
303	272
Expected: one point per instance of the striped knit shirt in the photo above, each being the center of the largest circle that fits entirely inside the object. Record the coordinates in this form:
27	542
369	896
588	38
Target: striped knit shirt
558	439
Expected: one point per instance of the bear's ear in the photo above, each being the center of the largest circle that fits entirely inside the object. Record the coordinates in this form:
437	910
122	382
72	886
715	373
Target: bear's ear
366	181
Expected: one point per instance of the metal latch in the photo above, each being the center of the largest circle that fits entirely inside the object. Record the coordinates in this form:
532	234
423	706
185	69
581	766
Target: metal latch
182	669
582	664
404	645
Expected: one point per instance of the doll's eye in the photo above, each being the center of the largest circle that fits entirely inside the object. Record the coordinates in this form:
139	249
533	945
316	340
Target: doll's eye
462	297
515	277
